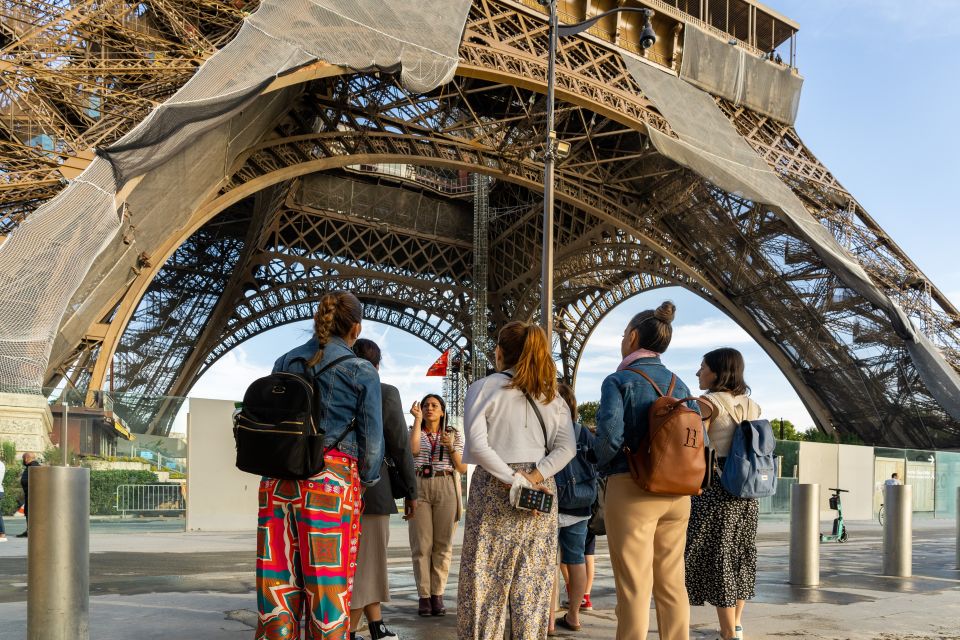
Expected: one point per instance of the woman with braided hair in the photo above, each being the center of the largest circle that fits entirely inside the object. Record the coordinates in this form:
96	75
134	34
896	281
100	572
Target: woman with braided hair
308	532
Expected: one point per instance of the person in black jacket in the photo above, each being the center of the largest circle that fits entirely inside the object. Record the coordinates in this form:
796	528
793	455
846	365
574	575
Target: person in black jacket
29	460
371	585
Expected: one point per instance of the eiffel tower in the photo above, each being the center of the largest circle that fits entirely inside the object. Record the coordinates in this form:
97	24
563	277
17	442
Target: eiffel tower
426	200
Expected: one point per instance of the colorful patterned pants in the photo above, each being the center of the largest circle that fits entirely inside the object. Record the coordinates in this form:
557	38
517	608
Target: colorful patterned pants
307	542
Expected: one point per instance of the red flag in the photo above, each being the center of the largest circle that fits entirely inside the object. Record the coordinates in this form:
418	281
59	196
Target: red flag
439	368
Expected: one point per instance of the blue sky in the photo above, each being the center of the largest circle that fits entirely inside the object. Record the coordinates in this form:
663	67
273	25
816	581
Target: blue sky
879	108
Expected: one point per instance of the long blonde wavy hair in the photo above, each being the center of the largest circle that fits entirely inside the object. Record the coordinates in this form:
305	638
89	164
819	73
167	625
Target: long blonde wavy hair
525	350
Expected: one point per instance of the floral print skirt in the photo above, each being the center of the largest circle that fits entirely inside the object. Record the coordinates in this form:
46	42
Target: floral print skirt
508	563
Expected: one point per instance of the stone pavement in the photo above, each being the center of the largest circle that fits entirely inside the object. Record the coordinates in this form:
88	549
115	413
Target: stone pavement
200	585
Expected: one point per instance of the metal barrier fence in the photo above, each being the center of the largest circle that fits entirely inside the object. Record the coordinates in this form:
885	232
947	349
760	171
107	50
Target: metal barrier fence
140	498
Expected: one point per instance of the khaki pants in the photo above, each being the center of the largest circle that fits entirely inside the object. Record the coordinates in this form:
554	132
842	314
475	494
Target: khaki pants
431	533
646	534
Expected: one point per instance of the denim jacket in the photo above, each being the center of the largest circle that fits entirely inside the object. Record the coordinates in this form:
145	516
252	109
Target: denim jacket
622	420
346	391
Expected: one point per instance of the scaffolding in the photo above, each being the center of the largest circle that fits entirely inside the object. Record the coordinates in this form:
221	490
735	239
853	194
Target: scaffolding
481	225
455	388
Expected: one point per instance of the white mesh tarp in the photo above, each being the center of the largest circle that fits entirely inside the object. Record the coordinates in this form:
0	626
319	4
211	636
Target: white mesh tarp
710	145
730	72
76	252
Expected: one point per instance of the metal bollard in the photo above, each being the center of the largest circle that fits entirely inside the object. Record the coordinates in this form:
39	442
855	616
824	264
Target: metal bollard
58	554
898	530
805	534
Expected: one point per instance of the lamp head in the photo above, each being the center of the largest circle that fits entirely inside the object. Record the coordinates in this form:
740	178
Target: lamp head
648	37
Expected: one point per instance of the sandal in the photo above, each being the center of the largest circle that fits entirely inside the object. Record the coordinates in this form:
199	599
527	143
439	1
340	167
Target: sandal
562	622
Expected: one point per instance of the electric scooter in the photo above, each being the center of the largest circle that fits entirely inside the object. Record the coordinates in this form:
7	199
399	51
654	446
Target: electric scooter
839	533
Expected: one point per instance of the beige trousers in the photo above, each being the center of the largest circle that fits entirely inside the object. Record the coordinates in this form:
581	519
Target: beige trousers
431	533
646	534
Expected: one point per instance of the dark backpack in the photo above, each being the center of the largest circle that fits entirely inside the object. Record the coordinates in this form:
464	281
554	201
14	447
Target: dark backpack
672	458
577	482
750	470
276	430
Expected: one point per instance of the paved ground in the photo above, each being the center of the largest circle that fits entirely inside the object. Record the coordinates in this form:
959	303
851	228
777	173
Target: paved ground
169	584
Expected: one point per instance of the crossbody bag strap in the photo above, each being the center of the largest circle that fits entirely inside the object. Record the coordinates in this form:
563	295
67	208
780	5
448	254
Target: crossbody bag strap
536	410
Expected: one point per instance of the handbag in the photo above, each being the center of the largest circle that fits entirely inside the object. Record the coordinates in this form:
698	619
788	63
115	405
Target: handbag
596	525
396	481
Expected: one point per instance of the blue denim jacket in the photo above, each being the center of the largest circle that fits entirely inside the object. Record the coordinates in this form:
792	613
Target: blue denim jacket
622	420
348	390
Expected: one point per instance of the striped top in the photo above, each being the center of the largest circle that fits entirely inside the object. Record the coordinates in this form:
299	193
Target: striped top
430	442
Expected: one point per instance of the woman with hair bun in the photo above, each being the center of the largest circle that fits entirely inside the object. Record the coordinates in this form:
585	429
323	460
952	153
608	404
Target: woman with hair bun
519	433
308	530
645	531
721	554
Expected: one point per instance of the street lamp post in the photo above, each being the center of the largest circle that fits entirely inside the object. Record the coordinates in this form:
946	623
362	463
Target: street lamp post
647	39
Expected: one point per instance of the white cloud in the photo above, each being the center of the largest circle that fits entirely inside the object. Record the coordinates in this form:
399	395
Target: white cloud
230	376
709	334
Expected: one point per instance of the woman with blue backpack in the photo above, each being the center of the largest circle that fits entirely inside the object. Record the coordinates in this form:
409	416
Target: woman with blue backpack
576	492
721	552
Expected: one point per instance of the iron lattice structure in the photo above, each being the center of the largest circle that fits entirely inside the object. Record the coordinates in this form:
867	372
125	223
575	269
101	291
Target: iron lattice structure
365	186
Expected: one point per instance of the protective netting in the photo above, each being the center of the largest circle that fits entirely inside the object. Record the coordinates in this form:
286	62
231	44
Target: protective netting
730	72
73	255
710	145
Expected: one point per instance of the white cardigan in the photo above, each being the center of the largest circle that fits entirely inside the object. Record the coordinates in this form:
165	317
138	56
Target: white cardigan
501	428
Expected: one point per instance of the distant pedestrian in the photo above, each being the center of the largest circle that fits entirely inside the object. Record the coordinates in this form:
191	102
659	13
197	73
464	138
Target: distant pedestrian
308	530
437	449
29	461
721	553
519	434
645	531
3	471
893	480
371	584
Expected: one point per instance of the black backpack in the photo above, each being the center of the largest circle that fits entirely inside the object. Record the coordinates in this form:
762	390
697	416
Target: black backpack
276	430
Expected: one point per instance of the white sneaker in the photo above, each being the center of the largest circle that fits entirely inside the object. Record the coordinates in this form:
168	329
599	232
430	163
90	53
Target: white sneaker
739	631
3	538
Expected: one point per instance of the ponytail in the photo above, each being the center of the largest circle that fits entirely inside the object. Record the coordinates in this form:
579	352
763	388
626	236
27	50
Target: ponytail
525	349
335	316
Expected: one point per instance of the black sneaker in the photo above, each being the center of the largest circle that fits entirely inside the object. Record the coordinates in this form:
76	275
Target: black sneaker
379	630
22	535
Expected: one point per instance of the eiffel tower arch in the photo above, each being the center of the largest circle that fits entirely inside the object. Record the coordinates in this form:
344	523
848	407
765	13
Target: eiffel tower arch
335	178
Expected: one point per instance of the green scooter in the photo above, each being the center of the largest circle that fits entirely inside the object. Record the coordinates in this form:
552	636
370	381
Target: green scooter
839	533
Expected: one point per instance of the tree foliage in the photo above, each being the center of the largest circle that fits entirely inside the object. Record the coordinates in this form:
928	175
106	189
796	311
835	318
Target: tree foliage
588	413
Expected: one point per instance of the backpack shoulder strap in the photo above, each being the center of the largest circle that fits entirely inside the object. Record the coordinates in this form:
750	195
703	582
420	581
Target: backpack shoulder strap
650	380
332	364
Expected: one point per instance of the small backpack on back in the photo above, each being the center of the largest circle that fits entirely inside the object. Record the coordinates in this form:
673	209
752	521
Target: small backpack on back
671	459
577	482
750	470
276	430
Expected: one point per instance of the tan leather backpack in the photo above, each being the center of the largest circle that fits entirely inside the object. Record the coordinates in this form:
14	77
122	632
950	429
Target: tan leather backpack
671	459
